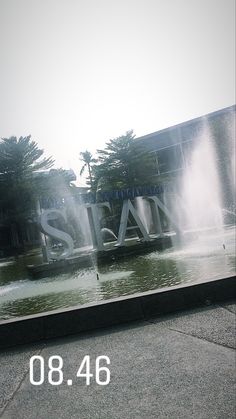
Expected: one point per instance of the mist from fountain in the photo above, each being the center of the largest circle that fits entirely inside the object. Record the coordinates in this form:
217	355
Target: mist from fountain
84	225
232	130
144	212
85	246
79	214
200	189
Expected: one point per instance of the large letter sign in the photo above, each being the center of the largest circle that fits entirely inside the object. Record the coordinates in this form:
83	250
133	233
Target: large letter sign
94	223
127	209
57	234
155	213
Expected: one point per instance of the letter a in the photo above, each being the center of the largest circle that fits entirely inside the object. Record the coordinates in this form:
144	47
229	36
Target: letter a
129	208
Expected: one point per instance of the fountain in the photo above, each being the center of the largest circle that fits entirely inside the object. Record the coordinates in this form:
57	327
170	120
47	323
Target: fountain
194	206
200	187
142	253
143	210
200	194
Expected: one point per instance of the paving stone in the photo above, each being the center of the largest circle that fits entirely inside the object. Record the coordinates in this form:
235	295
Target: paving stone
14	365
215	324
156	372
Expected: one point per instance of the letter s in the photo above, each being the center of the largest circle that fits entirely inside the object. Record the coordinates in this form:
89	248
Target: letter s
55	233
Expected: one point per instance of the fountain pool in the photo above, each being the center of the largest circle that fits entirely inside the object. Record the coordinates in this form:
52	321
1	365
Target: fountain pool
203	258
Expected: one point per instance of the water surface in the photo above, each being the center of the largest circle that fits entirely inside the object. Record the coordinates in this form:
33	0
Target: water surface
193	261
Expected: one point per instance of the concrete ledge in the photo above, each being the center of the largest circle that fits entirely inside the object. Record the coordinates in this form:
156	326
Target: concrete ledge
112	312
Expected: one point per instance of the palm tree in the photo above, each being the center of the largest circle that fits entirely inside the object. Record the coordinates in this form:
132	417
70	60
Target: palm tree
21	155
87	158
19	160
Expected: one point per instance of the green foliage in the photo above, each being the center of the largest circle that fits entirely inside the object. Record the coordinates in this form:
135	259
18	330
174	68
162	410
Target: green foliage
20	157
123	163
19	160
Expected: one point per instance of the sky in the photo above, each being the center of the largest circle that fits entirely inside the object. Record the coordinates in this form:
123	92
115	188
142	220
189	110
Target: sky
76	73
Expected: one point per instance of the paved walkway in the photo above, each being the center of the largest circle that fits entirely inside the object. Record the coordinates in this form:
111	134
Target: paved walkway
180	366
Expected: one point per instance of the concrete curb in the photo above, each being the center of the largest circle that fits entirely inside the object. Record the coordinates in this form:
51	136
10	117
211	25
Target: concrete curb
112	312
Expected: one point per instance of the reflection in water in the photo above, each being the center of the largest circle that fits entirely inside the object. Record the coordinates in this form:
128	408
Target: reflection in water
202	259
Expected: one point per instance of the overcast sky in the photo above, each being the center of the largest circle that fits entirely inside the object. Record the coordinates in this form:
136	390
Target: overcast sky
75	73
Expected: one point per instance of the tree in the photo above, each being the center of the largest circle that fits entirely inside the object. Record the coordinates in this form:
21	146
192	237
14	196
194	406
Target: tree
123	163
19	160
87	158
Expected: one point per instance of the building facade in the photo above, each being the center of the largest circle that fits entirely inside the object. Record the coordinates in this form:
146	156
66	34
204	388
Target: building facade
172	148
